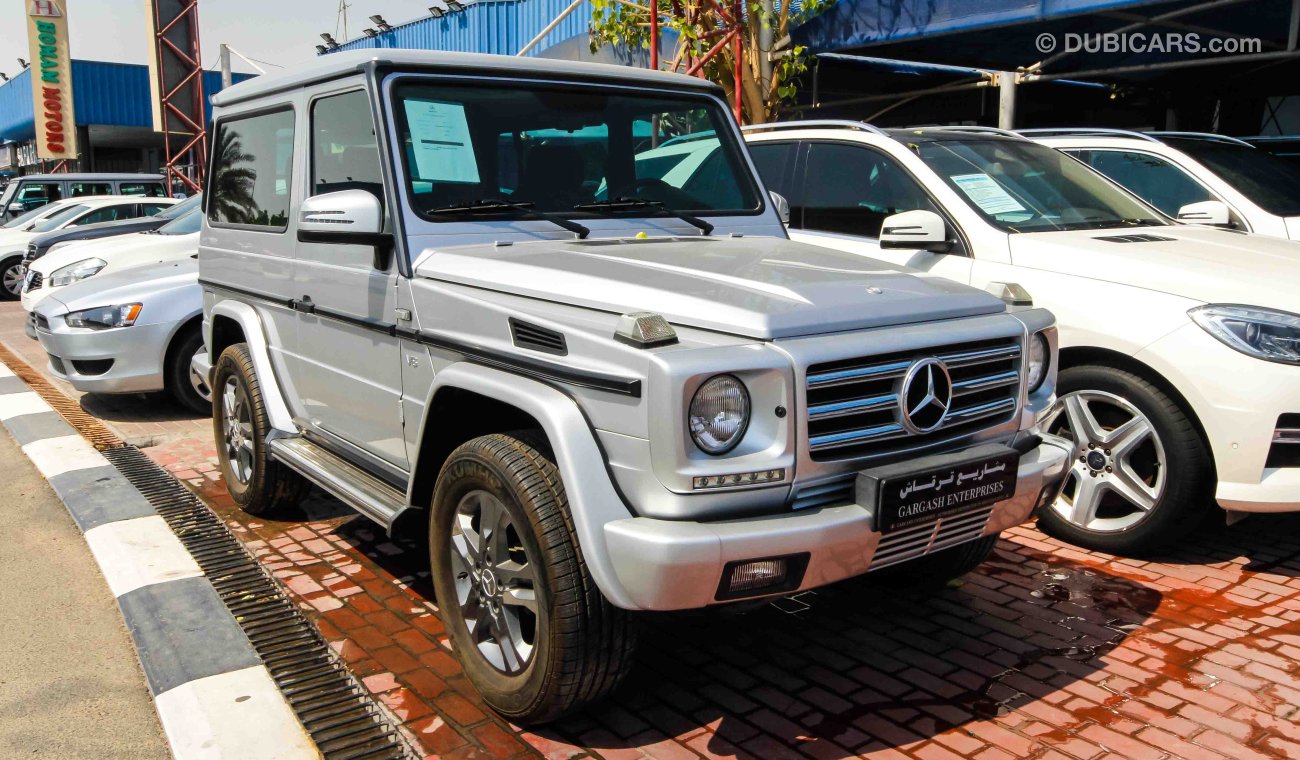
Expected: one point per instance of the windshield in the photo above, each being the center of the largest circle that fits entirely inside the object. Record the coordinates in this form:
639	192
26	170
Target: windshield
1271	183
1020	186
180	209
183	225
551	149
58	218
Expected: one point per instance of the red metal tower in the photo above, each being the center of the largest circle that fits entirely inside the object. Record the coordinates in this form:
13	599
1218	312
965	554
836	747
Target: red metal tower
178	90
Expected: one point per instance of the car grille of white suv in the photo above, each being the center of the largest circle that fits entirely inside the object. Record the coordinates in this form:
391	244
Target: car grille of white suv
853	404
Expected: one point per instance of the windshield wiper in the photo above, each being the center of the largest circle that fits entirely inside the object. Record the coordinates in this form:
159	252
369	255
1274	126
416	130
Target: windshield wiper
615	205
496	205
1102	224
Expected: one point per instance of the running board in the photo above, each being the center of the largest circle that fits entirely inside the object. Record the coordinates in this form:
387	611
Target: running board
353	486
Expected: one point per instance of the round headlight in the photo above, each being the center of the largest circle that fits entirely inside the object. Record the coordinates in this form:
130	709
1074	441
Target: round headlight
719	414
1039	357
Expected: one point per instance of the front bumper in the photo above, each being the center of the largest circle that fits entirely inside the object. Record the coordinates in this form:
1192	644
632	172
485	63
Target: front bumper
136	353
674	565
1238	400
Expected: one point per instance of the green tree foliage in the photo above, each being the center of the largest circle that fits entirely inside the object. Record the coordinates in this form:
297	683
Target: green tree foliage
699	26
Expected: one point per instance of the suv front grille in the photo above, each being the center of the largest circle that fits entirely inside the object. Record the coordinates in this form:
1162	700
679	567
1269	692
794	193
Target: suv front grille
30	256
853	404
929	538
34	281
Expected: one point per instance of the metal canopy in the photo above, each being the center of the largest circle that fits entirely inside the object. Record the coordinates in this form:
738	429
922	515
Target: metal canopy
1003	35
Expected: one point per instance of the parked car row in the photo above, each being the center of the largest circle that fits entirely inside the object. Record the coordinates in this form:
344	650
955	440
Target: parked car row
116	305
607	353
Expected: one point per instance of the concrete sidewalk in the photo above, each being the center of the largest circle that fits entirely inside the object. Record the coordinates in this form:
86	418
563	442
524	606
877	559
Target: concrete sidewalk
70	685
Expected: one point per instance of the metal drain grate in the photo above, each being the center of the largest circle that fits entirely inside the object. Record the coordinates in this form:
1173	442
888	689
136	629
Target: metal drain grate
340	716
92	429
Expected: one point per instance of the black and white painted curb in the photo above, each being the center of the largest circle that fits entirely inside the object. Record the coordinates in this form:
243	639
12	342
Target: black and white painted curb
214	697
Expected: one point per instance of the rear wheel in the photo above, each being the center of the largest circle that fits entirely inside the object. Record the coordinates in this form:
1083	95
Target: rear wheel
1141	476
11	278
258	484
535	635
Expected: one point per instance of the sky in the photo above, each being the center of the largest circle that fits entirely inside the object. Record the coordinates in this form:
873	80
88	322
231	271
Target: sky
114	30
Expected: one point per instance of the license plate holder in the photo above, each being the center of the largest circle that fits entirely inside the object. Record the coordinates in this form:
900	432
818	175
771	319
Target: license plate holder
920	491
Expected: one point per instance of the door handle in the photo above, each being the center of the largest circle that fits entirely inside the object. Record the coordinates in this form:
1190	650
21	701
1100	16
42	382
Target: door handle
303	305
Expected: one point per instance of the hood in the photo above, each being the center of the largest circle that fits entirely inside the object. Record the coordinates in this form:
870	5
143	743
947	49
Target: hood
1201	263
125	286
133	248
15	238
760	287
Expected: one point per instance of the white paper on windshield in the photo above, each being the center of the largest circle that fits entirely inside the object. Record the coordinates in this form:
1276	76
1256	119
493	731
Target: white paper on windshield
987	194
440	141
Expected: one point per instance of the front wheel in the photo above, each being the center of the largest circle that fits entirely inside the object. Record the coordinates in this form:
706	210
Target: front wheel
11	278
535	635
188	386
1141	476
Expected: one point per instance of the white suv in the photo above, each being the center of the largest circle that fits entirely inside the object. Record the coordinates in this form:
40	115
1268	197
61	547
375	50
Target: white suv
1179	343
1204	178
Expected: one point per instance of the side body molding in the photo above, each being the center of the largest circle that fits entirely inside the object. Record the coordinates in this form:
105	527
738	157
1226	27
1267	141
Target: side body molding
246	316
593	502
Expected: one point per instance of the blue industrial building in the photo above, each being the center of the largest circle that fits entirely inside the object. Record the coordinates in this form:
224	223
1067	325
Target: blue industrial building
114	117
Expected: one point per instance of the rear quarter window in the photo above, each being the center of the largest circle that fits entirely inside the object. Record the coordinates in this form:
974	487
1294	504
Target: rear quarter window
252	170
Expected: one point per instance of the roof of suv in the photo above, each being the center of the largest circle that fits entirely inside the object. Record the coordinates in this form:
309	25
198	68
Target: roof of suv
901	134
334	65
87	176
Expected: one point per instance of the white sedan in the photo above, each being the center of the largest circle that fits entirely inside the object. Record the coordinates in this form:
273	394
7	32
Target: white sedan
78	261
72	212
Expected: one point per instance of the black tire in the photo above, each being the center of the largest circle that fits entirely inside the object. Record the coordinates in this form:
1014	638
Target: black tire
5	267
939	568
270	486
582	646
1188	470
186	343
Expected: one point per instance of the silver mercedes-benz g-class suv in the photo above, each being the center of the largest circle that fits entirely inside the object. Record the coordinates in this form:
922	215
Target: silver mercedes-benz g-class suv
545	314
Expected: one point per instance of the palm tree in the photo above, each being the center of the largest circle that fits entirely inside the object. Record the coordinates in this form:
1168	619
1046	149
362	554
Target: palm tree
232	180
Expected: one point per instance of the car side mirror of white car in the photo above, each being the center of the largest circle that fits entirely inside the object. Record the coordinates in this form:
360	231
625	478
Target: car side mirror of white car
1212	213
781	205
919	229
346	217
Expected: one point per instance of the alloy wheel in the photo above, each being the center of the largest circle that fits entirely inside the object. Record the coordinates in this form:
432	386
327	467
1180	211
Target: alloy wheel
1119	467
13	279
495	582
237	430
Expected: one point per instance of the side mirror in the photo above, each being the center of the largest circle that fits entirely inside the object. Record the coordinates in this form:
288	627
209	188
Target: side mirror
919	229
782	206
346	217
16	208
1212	213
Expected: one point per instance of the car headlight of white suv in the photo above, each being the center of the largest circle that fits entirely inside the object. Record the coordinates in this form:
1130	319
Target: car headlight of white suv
719	414
1266	334
76	272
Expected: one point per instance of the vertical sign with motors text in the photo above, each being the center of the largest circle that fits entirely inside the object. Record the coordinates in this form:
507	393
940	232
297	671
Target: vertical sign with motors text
51	71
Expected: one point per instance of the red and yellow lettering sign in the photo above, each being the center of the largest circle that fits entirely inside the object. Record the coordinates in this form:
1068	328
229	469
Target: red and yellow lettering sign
51	72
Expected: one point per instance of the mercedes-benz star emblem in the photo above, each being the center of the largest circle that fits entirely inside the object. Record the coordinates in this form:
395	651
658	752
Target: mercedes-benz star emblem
925	396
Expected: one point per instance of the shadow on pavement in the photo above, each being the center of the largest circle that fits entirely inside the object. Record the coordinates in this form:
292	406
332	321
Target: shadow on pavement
136	407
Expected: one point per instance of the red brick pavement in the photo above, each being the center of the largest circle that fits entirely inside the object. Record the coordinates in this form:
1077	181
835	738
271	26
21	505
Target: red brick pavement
1046	651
